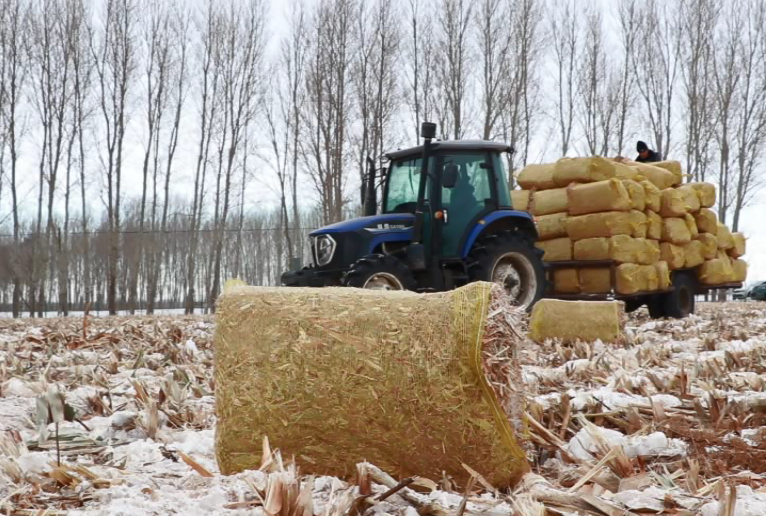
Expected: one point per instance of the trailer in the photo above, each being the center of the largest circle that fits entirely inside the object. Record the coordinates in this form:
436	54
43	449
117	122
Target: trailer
677	301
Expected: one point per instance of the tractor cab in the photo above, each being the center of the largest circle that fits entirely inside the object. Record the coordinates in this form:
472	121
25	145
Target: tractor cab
445	220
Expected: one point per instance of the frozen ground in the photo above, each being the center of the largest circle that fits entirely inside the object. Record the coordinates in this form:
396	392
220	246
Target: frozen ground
672	422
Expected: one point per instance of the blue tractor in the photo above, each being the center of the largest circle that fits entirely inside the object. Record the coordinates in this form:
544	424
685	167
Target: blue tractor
446	221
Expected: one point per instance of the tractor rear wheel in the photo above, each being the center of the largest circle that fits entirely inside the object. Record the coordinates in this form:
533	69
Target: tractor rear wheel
379	272
510	260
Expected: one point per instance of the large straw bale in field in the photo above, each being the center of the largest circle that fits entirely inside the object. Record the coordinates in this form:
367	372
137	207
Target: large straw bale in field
674	167
551	226
570	321
725	238
660	177
675	231
653	225
595	281
673	255
539	177
716	271
520	199
595	225
663	275
609	195
549	201
582	170
694	254
335	376
556	250
707	221
740	245
740	270
636	193
709	245
705	192
565	281
673	204
691	197
639	224
652	196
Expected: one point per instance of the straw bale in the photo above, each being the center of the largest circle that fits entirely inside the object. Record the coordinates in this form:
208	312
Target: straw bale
691	224
707	221
609	195
556	250
673	255
705	192
653	225
639	224
571	321
660	177
631	278
636	193
725	238
650	279
647	251
592	249
673	204
694	253
552	226
549	201
715	272
709	245
582	170
740	270
691	197
674	167
520	200
595	281
675	230
595	225
740	245
622	171
652	196
663	275
565	281
621	248
537	176
419	384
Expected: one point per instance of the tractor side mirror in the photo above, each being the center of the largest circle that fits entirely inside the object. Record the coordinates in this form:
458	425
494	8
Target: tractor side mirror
449	176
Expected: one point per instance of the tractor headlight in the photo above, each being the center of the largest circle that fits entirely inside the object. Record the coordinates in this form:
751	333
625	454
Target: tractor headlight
324	249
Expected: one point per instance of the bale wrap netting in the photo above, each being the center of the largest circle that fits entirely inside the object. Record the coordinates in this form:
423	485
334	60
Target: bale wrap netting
418	384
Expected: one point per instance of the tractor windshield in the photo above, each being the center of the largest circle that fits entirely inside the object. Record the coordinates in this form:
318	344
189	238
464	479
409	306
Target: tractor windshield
402	187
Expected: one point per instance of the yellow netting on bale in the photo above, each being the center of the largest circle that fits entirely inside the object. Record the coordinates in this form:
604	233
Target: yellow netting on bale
673	204
539	177
709	245
694	253
740	245
417	384
551	226
659	177
691	224
740	270
673	255
718	270
600	196
705	192
639	224
623	171
636	193
690	196
520	200
652	196
596	225
571	321
582	170
653	225
556	250
647	251
725	238
549	201
675	231
674	167
707	221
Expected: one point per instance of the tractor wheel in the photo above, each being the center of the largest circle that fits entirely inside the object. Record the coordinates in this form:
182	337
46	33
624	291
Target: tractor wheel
680	302
511	260
379	272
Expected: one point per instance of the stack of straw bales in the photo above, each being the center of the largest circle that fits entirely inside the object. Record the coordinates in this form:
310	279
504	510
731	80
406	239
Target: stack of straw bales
640	215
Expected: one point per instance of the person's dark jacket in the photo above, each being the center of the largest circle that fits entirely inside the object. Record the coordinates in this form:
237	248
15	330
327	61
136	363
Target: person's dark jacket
653	157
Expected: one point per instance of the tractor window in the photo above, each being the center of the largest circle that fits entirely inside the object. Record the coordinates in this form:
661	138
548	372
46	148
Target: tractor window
402	187
473	181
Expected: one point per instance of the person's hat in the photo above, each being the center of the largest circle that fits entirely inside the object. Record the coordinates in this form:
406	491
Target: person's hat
641	146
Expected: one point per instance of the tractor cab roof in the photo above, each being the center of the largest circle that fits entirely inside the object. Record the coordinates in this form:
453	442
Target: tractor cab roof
453	145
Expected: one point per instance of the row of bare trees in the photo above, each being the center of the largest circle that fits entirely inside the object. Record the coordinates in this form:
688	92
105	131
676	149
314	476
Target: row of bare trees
154	134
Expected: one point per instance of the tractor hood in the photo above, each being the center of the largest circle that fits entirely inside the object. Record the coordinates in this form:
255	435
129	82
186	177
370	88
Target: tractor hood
375	223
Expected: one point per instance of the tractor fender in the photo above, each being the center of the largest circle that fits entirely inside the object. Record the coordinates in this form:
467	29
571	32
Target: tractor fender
401	235
501	220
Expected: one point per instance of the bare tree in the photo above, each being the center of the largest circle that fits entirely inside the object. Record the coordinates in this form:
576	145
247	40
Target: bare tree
628	14
114	55
454	64
494	37
564	34
420	64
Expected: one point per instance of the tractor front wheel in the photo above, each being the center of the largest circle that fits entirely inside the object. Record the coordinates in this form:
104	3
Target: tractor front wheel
512	261
379	272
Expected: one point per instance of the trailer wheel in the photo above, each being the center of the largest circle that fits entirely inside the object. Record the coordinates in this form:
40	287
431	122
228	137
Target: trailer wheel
679	303
631	305
379	272
510	260
656	306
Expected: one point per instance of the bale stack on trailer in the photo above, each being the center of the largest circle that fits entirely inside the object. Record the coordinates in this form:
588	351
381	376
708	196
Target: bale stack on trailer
640	217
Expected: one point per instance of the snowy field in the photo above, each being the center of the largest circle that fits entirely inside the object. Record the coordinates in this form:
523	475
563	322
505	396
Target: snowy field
671	422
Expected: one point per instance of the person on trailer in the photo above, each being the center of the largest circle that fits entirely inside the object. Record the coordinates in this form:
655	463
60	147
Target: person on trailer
645	154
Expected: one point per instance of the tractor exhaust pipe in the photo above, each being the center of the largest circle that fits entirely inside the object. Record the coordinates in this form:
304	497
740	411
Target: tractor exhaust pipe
416	254
371	193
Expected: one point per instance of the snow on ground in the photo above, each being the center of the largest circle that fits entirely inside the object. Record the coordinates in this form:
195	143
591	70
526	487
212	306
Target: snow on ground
672	422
